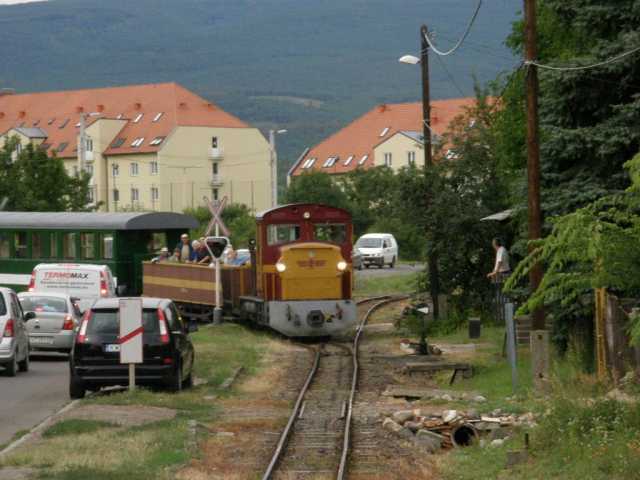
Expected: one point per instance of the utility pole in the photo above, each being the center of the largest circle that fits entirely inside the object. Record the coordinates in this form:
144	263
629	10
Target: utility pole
432	258
539	337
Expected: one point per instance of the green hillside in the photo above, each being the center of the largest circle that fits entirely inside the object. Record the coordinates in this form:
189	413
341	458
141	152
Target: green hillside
309	66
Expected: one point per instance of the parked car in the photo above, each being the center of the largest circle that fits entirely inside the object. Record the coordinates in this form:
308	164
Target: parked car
14	344
168	354
378	249
51	319
86	282
356	259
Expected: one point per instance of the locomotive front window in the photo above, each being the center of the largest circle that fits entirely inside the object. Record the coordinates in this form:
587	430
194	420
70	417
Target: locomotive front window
277	234
331	232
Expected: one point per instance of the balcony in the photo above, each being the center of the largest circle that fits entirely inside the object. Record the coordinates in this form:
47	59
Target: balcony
217	181
88	156
216	153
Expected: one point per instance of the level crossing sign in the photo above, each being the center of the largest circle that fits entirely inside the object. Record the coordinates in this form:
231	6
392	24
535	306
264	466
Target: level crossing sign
216	207
131	330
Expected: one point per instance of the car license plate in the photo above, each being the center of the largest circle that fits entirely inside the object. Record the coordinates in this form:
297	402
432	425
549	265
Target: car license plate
41	340
112	348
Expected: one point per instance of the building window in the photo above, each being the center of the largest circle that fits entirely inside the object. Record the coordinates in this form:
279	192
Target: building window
133	169
107	246
119	142
156	141
330	162
214	166
155	194
135	195
214	142
384	131
115	169
69	245
154	168
19	148
387	159
116	195
137	142
215	194
363	159
309	163
158	116
61	147
411	158
348	160
21	244
138	118
89	169
5	250
88	245
89	145
64	124
91	195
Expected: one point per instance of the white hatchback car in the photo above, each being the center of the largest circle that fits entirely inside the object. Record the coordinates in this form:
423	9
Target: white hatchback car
14	343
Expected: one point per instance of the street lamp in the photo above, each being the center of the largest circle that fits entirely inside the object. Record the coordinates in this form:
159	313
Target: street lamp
432	259
274	164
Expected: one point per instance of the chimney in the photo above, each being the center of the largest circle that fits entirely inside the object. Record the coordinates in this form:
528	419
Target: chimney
138	106
383	108
4	92
100	108
79	109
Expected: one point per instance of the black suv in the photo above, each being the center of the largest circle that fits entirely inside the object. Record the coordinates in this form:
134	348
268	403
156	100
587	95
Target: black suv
168	353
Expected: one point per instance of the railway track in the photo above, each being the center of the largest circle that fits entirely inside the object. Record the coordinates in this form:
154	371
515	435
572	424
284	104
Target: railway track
316	441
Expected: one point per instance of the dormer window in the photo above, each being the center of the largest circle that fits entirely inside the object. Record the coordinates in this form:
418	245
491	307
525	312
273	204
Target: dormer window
330	162
308	163
158	116
348	160
138	118
363	159
384	131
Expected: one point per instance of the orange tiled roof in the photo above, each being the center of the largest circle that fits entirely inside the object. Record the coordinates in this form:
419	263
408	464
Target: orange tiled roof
361	136
58	113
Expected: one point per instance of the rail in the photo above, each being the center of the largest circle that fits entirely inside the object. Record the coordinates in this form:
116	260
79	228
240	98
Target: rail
295	414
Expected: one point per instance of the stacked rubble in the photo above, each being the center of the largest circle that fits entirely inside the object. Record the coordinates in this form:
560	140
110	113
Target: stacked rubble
453	428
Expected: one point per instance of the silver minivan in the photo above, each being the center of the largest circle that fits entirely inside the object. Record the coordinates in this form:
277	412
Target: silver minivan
14	342
378	249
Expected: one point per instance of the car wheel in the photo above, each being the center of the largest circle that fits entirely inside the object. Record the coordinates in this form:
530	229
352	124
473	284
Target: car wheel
24	364
76	388
11	368
360	267
175	383
188	382
393	262
367	266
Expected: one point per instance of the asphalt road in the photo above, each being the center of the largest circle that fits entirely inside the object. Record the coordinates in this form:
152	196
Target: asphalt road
399	269
29	398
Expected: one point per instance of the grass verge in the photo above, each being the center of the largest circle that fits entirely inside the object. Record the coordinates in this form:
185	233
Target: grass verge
370	286
81	449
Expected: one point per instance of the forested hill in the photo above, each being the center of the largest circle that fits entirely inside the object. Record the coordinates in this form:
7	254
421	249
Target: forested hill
307	65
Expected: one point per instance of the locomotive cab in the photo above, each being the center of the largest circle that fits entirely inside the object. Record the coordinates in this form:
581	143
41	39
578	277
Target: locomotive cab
303	271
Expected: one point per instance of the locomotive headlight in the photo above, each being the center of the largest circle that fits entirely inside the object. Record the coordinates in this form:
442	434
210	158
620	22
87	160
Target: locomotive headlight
281	267
342	265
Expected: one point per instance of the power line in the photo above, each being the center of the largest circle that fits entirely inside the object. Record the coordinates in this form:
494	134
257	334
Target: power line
462	38
583	67
453	80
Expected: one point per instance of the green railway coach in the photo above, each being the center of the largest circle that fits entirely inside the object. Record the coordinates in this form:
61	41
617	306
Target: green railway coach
119	240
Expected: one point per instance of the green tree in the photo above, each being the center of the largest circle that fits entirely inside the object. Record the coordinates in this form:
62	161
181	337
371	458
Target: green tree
316	187
37	182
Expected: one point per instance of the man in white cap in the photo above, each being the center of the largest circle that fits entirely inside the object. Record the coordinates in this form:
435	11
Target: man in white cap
163	255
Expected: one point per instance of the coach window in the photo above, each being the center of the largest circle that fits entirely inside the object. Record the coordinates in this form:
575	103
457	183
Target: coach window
5	250
107	247
37	245
331	232
53	245
21	244
88	245
277	234
69	245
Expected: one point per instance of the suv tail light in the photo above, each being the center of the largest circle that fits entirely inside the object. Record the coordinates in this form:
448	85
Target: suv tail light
32	282
68	323
103	285
82	333
9	328
164	331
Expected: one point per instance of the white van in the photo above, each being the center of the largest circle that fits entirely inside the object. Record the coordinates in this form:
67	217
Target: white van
378	249
85	282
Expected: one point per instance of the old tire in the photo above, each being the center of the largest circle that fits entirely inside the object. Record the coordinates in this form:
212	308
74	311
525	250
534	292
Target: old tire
76	388
11	368
24	364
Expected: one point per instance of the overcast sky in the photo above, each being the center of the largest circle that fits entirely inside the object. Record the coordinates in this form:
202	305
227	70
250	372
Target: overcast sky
12	2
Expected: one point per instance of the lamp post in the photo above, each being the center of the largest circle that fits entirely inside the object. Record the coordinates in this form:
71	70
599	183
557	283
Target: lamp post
274	165
432	259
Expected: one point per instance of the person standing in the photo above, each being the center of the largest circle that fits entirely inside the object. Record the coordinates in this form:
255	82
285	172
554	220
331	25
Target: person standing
186	250
501	269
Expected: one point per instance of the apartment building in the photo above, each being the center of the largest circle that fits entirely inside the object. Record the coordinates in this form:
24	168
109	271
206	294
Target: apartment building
147	147
389	134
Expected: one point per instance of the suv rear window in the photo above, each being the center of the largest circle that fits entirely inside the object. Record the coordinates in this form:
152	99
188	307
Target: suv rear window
44	304
106	322
3	305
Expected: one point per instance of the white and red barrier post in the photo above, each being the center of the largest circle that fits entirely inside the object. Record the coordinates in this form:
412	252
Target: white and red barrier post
130	339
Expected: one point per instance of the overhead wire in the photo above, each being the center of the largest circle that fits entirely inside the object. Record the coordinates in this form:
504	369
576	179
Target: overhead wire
582	67
451	78
460	40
